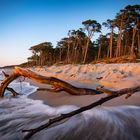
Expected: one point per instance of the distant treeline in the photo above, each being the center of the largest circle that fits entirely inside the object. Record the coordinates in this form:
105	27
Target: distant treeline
123	39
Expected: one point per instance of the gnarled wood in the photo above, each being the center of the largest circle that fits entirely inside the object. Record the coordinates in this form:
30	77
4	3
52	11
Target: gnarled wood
46	80
6	82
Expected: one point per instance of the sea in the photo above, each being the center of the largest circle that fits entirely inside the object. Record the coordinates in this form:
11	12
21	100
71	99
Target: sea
100	123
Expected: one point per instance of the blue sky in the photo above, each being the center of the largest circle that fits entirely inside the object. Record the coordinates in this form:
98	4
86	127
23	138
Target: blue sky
24	23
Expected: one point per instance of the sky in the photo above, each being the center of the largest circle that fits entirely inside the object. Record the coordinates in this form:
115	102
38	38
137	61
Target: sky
25	23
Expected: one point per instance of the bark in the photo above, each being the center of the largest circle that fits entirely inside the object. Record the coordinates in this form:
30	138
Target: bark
138	43
57	83
75	52
86	49
60	57
68	54
113	94
8	88
118	51
99	52
6	82
132	45
110	43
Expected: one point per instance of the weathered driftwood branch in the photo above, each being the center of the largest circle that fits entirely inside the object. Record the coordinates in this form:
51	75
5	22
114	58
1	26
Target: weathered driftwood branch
113	94
57	83
5	74
52	89
6	82
8	88
12	91
128	91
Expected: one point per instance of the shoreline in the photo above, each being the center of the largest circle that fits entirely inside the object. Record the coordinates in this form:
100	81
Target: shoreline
60	99
112	76
63	98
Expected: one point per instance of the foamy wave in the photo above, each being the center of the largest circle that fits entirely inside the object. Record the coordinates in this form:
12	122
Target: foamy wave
19	113
102	122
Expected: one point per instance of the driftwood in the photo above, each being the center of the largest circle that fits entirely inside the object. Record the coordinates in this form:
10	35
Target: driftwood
7	81
113	94
60	85
57	83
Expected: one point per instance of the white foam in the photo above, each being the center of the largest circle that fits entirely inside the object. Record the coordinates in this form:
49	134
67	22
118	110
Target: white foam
101	122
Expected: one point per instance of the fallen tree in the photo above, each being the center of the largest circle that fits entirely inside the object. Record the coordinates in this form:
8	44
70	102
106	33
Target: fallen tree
58	84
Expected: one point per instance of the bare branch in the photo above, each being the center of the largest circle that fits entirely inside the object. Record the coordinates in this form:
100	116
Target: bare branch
122	91
5	74
113	94
8	88
12	91
6	82
51	90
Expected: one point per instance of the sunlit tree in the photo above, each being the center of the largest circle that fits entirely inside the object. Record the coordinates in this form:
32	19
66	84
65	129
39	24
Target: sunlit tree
110	24
44	51
91	26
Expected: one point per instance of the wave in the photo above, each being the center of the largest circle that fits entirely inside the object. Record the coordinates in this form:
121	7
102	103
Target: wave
120	123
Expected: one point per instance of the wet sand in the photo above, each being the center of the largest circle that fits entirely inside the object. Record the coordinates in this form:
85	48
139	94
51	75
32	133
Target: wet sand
63	98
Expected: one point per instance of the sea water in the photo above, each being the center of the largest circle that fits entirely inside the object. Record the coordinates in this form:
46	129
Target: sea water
108	123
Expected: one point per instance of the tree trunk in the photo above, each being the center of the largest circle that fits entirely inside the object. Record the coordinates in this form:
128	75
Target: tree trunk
99	52
68	54
73	51
132	54
86	49
60	57
110	43
118	52
57	83
138	43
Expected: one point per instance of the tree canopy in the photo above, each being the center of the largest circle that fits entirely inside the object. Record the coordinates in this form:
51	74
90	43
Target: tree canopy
123	39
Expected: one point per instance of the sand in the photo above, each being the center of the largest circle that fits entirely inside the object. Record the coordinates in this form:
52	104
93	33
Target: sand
24	113
114	76
58	99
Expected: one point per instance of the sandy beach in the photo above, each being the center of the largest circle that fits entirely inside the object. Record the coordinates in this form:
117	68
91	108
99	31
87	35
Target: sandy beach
35	108
63	98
